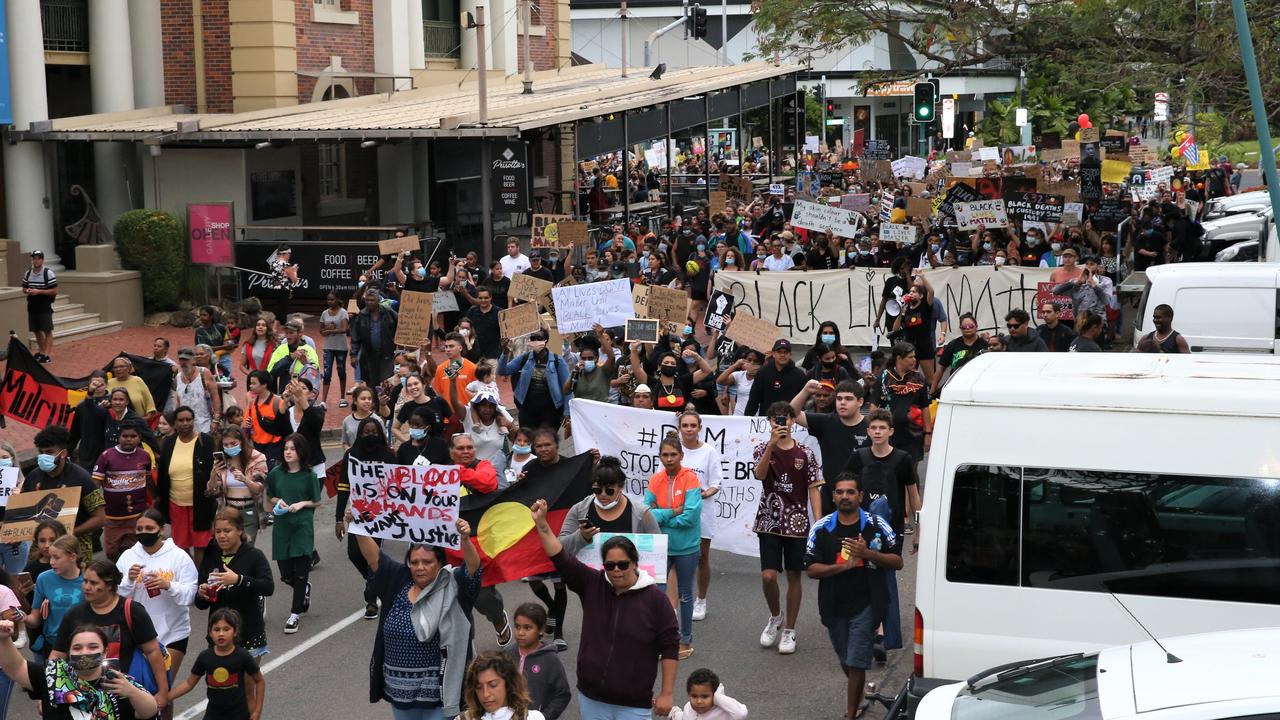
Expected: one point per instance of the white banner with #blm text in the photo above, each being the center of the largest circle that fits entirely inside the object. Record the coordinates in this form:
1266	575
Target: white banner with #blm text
632	435
797	302
417	504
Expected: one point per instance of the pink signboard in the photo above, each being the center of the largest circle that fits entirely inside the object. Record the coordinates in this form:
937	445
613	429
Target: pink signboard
211	230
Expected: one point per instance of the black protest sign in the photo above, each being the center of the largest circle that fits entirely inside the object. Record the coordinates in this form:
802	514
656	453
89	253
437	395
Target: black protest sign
960	192
719	309
1108	215
1090	182
1114	144
1033	207
876	150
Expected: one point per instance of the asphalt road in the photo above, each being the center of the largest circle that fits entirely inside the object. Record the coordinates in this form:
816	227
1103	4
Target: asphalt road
322	671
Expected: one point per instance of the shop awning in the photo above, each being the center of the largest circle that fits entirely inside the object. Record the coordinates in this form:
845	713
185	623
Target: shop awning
564	96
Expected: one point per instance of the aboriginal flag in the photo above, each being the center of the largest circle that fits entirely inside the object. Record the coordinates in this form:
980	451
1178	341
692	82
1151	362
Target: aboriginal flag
502	528
34	396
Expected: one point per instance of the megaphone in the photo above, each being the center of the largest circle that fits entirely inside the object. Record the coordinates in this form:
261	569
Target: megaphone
893	306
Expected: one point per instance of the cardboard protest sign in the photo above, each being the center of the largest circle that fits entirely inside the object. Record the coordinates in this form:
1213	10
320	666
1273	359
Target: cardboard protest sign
955	156
880	171
573	232
821	218
988	213
1072	213
718	203
1033	207
652	549
897	233
444	301
667	304
414	324
753	332
1089	135
643	330
413	503
27	510
719	310
518	321
1115	171
918	207
1141	155
1114	143
736	187
1068	189
528	287
395	246
580	307
1045	294
544	230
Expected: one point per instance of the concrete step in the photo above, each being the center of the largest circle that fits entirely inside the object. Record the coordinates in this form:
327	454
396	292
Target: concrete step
80	332
65	310
68	321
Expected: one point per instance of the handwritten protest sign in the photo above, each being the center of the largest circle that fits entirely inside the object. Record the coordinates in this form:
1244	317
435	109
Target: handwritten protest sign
394	246
580	307
573	232
444	301
1033	207
777	189
957	193
988	213
879	171
918	207
736	187
719	310
414	503
1089	135
27	510
909	166
643	330
415	318
857	202
753	332
664	303
989	154
543	230
652	550
897	233
818	217
1161	175
718	202
1141	155
528	287
518	321
1045	294
10	476
1072	213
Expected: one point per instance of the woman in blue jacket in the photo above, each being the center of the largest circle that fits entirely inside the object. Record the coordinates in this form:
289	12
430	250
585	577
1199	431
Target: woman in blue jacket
537	390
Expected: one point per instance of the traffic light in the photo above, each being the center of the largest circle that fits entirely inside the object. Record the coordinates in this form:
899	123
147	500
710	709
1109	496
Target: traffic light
699	22
831	108
923	110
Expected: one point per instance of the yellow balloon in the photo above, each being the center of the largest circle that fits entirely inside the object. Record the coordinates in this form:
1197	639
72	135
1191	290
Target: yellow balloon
1077	136
898	216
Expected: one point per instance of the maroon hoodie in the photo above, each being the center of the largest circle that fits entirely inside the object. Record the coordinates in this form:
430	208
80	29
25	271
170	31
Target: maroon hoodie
623	636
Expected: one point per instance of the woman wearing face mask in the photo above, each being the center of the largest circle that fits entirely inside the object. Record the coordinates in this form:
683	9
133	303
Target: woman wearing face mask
79	686
161	577
589	380
1032	248
521	454
829	335
412	398
733	260
13	556
917	320
234	574
422	447
104	608
671	387
370	445
674	498
606	509
238	477
984	247
1051	258
426	606
538	387
468	332
495	690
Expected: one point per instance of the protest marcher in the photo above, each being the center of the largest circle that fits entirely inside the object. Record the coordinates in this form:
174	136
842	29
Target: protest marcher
484	319
79	685
222	338
124	472
241	688
539	388
306	418
904	392
489	426
13	556
160	576
707	700
126	623
674	499
194	387
847	552
1021	337
426	606
738	378
293	358
88	424
1088	328
514	261
539	663
116	413
776	381
423	446
373	339
1057	335
1164	339
39	559
791	489
238	479
369	445
411	399
122	376
335	324
546	450
263	417
236	575
364	402
184	467
606	509
915	322
40	285
495	689
521	454
57	590
258	347
293	493
704	460
840	434
618	662
452	377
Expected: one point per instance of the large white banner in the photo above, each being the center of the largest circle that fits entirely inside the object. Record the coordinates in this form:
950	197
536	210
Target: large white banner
632	435
797	302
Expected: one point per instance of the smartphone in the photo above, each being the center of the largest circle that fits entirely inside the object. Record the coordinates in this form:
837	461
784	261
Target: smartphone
586	524
13	614
23	578
111	667
219	457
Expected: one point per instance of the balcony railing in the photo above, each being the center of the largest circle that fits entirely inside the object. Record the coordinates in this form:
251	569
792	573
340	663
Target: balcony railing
66	25
442	38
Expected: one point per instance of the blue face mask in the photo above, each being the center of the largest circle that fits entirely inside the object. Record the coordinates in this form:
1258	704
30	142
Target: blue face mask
589	365
688	329
6	462
828	338
417	433
521	449
231	451
420	271
47	462
729	260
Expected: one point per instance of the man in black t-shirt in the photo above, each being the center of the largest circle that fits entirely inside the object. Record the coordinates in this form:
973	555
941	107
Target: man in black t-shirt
484	318
537	269
1057	335
839	434
849	552
885	471
53	471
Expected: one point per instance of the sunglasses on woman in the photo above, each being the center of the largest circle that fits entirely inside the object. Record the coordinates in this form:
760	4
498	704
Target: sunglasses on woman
609	490
612	565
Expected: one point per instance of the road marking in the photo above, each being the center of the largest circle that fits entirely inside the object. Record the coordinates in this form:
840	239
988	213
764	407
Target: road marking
196	710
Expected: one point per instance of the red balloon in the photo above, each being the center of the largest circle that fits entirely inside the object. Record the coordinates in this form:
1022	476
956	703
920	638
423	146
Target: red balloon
1084	121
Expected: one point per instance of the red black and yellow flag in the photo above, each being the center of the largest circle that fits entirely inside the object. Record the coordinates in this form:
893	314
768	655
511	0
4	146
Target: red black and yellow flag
502	528
34	396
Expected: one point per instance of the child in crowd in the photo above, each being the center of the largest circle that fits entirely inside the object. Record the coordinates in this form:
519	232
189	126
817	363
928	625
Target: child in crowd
521	453
539	662
236	687
46	532
484	384
707	700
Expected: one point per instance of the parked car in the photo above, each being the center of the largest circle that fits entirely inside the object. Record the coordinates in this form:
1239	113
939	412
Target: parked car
1192	677
1232	204
1228	230
1243	251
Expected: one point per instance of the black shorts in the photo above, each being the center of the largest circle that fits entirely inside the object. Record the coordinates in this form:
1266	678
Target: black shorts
179	645
40	320
777	551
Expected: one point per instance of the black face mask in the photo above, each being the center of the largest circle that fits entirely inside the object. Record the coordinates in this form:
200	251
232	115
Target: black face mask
148	539
667	371
829	365
368	443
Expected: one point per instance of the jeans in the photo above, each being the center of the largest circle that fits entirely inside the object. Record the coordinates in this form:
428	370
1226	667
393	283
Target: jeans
686	567
6	690
13	557
294	572
595	710
329	357
417	713
357	559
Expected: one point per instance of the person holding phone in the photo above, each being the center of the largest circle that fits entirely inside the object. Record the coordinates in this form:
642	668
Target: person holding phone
238	477
789	473
236	575
606	509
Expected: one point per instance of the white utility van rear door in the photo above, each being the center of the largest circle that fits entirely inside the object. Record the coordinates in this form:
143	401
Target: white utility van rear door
1239	319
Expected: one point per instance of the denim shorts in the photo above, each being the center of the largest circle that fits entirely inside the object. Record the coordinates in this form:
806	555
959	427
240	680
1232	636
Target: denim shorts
853	639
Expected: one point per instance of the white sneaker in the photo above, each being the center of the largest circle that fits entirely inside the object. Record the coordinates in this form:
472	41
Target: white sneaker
699	608
770	634
787	645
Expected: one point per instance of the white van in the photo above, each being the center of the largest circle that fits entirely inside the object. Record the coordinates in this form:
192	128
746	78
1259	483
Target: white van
1057	479
1218	307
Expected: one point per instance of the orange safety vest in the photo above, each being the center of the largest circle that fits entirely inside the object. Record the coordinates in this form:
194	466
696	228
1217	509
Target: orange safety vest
257	417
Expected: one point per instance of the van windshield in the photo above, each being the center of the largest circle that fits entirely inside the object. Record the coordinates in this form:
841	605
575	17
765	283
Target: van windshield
1055	691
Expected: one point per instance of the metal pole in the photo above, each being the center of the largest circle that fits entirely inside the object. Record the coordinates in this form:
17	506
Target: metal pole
626	40
482	65
653	37
822	106
625	180
724	32
773	139
486	202
666	152
526	16
1266	154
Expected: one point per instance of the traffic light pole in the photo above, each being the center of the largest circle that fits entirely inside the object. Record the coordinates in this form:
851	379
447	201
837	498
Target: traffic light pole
1266	153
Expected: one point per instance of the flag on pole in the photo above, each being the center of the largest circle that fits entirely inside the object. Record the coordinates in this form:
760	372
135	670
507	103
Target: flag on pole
34	396
1189	150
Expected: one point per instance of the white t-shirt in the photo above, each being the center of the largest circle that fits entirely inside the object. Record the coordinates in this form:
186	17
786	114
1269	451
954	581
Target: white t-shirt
743	383
776	264
705	463
513	265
